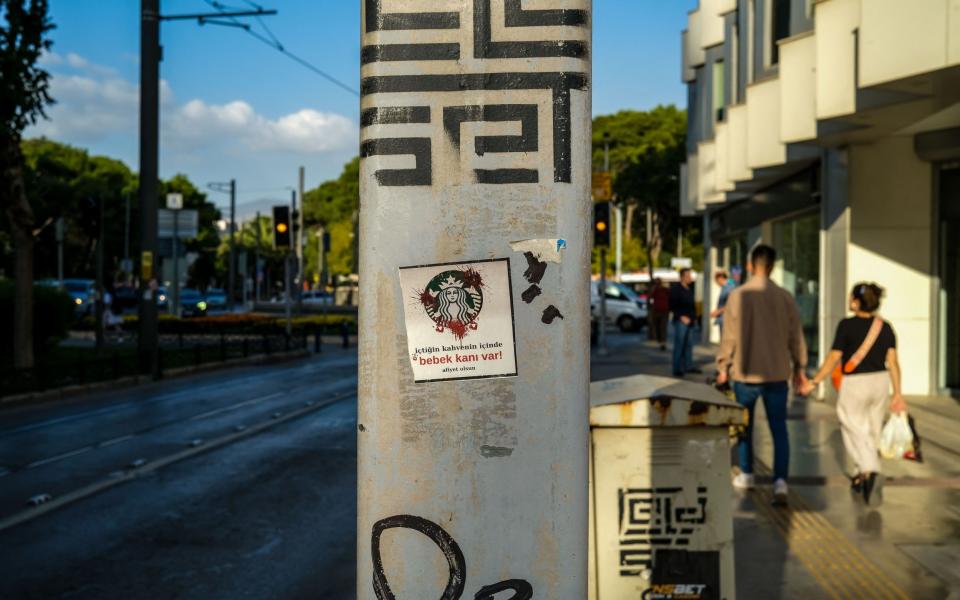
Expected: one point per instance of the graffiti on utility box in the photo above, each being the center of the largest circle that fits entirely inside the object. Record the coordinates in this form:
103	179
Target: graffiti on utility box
652	518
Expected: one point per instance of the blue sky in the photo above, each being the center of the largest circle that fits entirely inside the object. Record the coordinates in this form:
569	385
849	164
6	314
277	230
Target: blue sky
233	107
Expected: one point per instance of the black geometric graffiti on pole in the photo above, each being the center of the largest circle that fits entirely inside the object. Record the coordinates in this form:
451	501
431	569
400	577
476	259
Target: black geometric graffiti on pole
478	47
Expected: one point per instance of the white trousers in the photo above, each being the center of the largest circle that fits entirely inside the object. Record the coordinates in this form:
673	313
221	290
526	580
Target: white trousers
861	407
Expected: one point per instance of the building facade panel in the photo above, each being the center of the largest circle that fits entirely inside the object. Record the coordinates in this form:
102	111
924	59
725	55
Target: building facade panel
885	22
764	148
798	64
845	168
836	52
737	169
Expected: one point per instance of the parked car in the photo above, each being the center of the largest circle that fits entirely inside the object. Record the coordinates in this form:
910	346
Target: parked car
624	308
84	295
317	297
192	303
163	298
216	300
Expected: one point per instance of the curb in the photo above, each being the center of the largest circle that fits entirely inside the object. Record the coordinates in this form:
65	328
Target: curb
70	391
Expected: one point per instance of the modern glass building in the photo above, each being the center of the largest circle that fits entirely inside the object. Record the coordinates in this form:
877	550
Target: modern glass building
830	129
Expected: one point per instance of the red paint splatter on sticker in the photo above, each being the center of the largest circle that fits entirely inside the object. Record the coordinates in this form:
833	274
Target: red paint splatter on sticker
458	329
472	279
427	299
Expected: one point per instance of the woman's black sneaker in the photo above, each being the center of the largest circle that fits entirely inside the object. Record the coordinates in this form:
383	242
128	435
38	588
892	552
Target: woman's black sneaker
872	484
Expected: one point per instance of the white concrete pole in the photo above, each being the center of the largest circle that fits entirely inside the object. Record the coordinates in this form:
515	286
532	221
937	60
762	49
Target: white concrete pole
475	146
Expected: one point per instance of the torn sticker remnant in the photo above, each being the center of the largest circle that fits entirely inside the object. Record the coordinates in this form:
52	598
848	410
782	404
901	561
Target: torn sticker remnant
547	250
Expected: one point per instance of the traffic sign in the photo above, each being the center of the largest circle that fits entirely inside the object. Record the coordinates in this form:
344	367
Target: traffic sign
602	187
174	201
187	223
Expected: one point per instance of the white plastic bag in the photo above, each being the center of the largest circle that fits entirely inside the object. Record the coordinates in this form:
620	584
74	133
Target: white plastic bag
896	437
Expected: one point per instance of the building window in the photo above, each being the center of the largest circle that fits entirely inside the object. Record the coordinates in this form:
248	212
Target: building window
779	26
751	28
797	242
734	65
719	86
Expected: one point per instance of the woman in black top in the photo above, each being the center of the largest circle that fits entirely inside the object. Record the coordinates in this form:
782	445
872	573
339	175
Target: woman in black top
866	382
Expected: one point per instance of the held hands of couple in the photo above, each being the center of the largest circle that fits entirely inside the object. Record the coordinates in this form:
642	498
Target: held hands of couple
802	385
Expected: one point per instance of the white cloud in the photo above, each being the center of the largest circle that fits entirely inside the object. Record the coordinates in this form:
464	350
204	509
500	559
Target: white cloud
305	131
93	102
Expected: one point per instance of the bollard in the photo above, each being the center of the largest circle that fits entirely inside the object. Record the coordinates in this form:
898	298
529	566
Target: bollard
316	340
474	279
345	334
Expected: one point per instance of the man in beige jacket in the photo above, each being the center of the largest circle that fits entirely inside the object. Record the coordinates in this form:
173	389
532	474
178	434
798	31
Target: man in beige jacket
762	349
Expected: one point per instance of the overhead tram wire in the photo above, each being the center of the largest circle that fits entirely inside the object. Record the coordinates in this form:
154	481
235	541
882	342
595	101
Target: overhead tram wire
274	43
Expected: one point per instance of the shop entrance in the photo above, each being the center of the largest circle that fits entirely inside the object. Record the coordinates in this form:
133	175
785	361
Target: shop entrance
950	275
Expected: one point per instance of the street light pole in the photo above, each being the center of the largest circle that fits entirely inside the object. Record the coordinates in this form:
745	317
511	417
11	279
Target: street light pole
233	248
149	135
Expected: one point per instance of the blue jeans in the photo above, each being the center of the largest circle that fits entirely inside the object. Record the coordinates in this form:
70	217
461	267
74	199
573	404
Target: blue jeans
775	404
682	348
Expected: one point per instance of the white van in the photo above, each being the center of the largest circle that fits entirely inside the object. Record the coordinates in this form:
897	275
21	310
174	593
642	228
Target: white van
625	309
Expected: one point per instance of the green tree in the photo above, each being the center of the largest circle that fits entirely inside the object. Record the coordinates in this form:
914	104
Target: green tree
66	182
24	92
646	150
334	205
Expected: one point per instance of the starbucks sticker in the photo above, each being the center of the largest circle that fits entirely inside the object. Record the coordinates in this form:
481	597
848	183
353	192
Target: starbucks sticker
459	320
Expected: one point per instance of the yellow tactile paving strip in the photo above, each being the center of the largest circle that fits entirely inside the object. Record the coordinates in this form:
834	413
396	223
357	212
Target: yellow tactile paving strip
838	566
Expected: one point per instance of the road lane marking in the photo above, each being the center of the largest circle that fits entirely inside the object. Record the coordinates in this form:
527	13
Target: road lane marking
128	436
219	385
116	440
224	409
131	474
58	457
824	549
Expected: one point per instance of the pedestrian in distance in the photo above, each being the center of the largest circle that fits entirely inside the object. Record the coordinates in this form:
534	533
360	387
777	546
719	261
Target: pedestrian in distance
761	350
659	312
866	346
684	308
726	286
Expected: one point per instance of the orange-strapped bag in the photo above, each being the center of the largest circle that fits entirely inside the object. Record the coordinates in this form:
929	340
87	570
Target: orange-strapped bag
858	356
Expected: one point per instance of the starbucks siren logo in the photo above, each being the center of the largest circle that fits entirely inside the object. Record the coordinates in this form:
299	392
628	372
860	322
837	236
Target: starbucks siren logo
453	300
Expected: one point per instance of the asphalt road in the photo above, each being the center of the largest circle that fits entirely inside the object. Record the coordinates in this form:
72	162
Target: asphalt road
233	484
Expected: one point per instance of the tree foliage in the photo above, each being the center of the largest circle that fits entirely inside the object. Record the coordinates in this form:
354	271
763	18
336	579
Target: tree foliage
646	149
24	86
24	92
334	205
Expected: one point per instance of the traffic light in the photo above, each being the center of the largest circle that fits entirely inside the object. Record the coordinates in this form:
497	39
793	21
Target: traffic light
601	224
281	227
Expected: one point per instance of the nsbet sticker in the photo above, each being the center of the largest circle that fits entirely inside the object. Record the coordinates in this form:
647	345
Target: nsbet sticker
459	320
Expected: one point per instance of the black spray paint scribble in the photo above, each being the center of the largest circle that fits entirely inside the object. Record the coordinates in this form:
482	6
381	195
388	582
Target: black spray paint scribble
535	268
455	561
530	293
550	313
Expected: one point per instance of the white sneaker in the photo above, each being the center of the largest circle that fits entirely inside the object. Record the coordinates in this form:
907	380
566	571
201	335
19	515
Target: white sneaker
743	481
780	490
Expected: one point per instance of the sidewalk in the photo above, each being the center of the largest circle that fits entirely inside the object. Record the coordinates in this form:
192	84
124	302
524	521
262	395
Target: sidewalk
825	545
